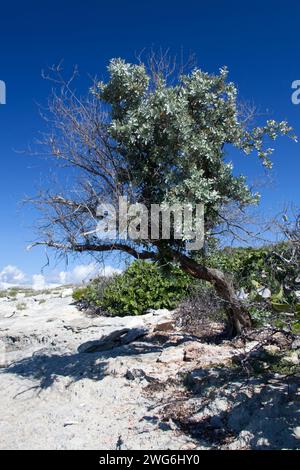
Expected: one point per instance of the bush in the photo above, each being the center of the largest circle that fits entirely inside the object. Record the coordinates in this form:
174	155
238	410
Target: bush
90	296
253	267
147	285
245	266
141	287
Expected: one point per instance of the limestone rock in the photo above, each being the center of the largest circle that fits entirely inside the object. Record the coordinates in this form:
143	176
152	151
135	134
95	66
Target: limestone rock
272	348
162	312
20	295
296	432
296	344
264	292
242	295
292	358
171	354
113	340
165	326
139	374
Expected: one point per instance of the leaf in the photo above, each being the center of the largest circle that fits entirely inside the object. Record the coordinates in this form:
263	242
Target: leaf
276	298
282	307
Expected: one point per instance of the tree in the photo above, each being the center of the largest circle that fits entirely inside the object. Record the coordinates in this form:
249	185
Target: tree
155	140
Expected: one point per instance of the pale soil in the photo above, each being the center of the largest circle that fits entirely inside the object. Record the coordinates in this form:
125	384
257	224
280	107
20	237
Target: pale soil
166	390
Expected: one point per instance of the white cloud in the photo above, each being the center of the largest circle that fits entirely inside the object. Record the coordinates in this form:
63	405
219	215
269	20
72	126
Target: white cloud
82	272
110	271
38	282
12	276
85	272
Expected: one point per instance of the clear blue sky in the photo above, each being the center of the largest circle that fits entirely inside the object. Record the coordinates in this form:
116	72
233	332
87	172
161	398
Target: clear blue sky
257	40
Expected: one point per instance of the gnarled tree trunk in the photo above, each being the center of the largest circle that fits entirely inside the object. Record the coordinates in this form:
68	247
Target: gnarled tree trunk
238	317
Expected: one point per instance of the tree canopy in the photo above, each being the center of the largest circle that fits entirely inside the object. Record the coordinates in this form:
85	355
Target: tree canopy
172	138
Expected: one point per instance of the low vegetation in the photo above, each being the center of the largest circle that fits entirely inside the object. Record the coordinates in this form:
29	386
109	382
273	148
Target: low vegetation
12	292
268	287
142	286
21	306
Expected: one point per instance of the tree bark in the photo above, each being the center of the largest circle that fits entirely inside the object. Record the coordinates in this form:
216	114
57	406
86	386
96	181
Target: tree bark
239	318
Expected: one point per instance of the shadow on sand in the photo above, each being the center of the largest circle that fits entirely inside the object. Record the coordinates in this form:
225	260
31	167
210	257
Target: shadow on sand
78	366
223	407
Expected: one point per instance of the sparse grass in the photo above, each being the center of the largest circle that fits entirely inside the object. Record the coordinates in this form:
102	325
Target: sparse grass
14	291
29	292
21	306
42	301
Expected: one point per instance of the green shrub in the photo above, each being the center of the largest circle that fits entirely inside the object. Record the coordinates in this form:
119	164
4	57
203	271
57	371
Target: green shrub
91	295
252	268
21	306
141	287
261	314
145	285
80	293
246	266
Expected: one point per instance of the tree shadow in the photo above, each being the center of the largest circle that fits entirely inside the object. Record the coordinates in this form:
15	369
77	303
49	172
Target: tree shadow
229	408
46	368
221	405
81	365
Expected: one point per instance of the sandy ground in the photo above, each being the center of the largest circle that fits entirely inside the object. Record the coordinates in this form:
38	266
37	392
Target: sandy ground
54	397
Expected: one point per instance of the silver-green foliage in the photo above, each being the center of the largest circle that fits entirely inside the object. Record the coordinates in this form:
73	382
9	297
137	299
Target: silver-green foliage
171	138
